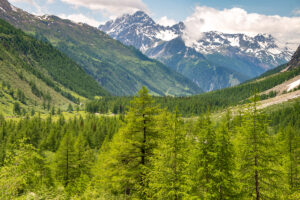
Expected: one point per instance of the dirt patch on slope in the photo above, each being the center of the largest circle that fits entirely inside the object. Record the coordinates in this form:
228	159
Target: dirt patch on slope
279	99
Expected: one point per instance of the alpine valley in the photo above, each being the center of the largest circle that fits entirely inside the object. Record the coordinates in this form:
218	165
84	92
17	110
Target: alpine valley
120	69
215	61
139	111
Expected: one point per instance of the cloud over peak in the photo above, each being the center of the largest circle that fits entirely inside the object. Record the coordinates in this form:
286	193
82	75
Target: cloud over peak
165	21
237	20
111	8
81	18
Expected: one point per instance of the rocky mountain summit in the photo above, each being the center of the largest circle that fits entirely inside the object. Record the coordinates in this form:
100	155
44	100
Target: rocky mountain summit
214	61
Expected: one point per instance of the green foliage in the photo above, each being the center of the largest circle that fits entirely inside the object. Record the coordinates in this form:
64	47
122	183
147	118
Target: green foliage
204	160
17	108
24	170
154	155
199	104
21	96
65	163
259	177
40	72
55	159
131	150
120	69
168	177
70	108
225	164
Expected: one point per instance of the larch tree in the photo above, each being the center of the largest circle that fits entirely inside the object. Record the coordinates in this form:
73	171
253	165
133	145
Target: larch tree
167	177
126	163
225	164
291	150
203	160
24	171
259	179
65	161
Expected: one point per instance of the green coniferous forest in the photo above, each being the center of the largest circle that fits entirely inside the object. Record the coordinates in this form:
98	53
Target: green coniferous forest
198	104
153	153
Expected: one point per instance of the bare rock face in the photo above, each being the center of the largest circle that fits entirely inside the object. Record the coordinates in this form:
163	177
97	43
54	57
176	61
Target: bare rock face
295	61
5	5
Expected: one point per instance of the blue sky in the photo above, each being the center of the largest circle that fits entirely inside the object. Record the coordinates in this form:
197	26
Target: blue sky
180	9
280	18
177	10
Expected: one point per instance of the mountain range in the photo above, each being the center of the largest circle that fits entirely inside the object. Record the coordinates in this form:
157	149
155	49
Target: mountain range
120	69
133	50
214	61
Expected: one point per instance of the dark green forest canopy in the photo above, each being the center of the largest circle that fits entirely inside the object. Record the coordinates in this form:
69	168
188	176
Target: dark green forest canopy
151	153
35	55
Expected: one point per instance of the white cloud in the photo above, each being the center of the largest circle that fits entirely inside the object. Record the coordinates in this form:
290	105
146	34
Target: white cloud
296	11
165	21
39	10
27	1
81	18
111	8
237	20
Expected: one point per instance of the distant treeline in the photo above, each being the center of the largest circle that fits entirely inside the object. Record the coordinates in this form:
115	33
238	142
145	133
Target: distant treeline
198	104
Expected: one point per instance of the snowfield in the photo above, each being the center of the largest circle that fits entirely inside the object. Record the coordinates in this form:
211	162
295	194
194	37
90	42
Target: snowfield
293	85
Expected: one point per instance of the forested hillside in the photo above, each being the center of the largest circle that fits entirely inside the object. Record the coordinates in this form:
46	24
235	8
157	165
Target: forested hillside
64	137
34	73
213	101
151	153
119	69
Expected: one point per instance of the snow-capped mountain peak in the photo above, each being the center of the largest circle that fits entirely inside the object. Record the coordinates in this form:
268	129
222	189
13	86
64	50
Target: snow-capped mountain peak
262	46
140	30
224	58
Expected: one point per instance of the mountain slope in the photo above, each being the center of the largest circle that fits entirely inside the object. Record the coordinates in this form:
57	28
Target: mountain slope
295	61
273	87
120	69
35	73
194	65
237	56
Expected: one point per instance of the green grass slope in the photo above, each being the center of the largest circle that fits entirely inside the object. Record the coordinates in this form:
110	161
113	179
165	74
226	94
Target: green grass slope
120	69
34	73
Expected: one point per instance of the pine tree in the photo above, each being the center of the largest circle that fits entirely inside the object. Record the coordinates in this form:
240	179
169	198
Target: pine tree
53	110
126	165
225	166
168	178
17	108
24	171
291	152
259	178
32	113
70	108
84	159
65	162
203	160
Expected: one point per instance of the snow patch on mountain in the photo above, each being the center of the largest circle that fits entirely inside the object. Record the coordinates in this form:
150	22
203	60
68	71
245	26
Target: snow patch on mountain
14	8
140	31
166	35
2	9
293	85
235	42
261	46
